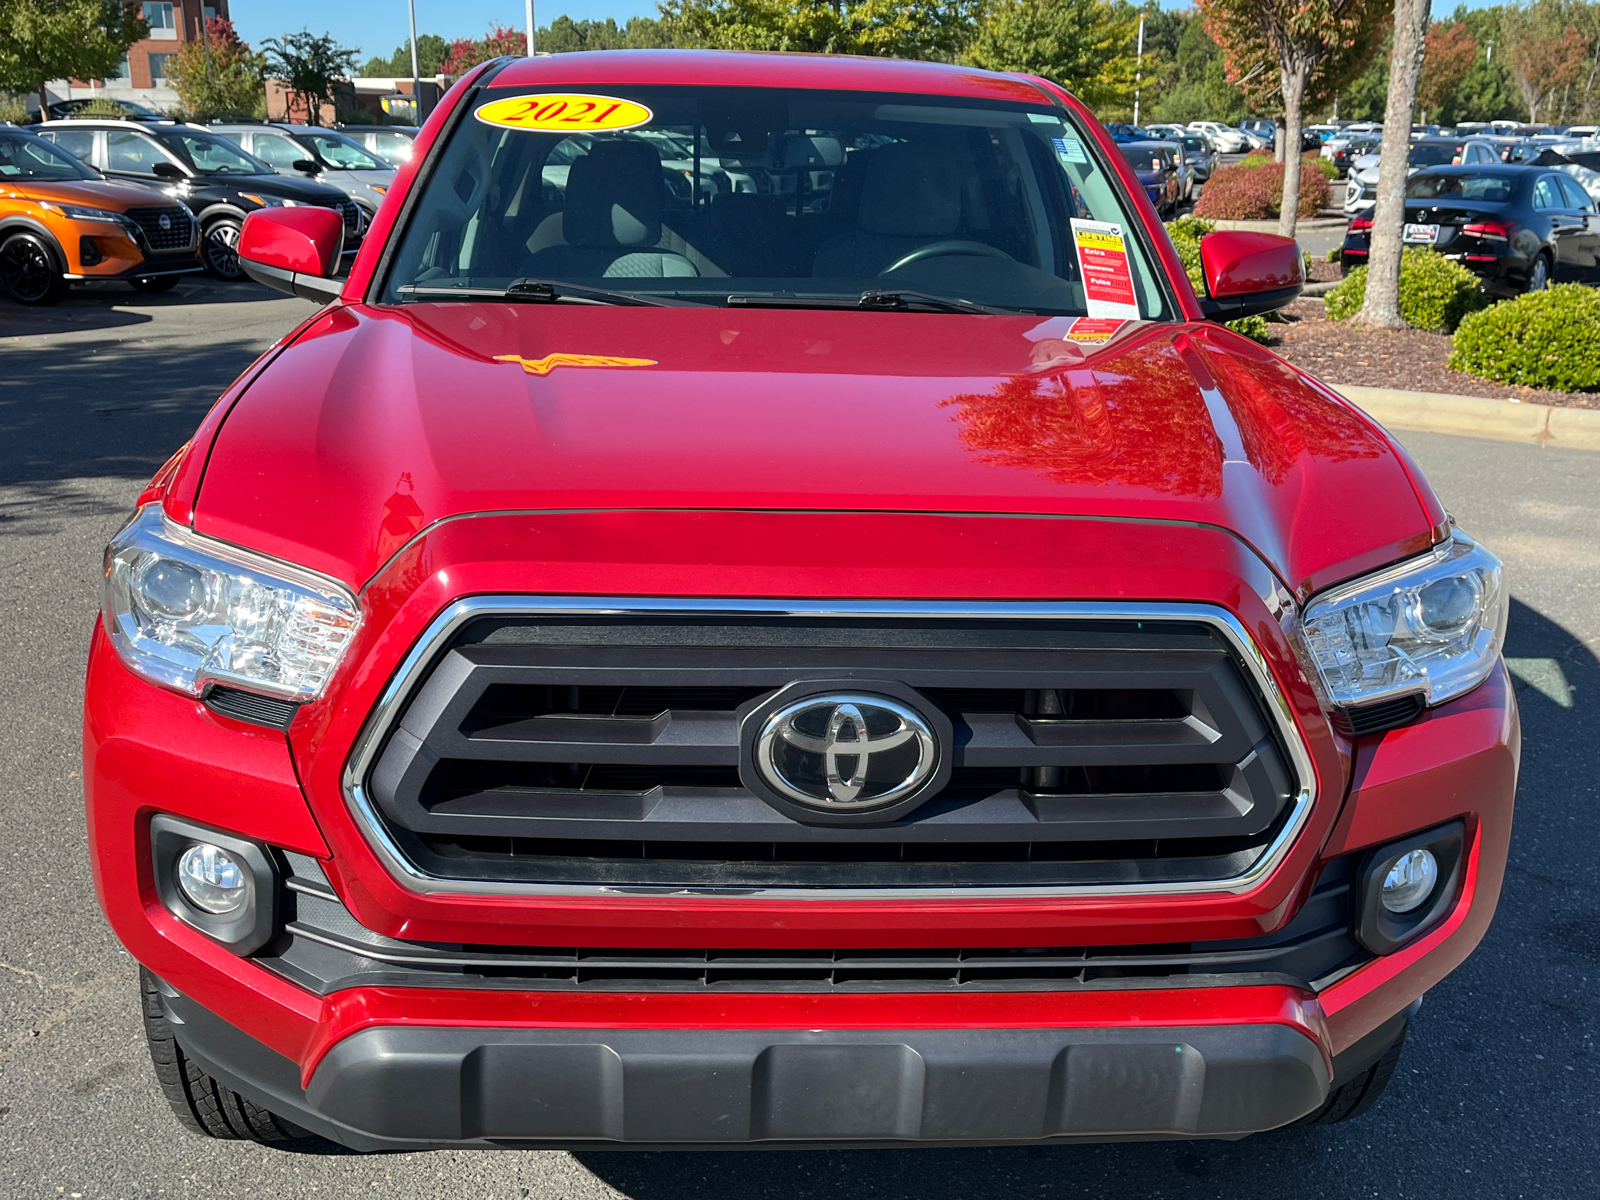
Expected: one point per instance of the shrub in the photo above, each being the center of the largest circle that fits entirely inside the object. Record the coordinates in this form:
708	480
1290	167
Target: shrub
13	110
1252	190
1186	233
1548	339
1325	165
1435	293
102	108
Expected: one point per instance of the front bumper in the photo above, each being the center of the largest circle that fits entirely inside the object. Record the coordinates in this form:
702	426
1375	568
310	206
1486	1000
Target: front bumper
392	1087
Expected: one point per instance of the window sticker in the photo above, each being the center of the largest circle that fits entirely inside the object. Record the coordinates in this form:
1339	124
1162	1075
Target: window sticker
564	113
1069	150
1094	330
1103	260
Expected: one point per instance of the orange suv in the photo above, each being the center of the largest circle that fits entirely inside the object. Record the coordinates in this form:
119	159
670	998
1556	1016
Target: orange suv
61	221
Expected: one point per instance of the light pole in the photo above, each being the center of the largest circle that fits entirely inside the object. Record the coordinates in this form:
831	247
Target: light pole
416	73
1138	68
530	28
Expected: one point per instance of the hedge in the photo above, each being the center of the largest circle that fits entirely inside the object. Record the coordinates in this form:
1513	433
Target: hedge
1548	339
1252	190
1186	233
1435	293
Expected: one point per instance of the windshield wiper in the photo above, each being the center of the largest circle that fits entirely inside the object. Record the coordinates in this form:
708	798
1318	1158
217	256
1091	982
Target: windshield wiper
536	291
868	301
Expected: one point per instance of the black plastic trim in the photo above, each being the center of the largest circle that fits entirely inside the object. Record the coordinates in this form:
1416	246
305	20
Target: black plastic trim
422	1086
267	711
1235	307
315	288
243	932
1382	931
1379	717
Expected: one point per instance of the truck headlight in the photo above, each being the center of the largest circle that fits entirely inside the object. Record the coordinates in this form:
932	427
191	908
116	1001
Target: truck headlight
185	611
1431	625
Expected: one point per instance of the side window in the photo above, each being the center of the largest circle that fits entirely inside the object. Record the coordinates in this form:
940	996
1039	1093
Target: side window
77	142
1576	197
277	150
130	152
1545	194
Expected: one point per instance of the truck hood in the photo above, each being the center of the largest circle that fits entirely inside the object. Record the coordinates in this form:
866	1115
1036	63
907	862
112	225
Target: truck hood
376	423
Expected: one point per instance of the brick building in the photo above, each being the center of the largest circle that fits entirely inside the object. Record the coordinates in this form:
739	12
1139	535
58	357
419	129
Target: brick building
142	77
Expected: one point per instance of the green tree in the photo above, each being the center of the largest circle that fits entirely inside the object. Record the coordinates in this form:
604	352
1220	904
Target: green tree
1200	91
226	82
564	35
431	50
1315	47
1086	46
309	64
41	40
1363	98
1485	92
904	29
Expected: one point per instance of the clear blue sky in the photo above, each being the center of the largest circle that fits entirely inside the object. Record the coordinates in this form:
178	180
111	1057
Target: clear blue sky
378	26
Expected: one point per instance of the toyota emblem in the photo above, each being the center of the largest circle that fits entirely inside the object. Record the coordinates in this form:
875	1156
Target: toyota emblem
846	751
165	222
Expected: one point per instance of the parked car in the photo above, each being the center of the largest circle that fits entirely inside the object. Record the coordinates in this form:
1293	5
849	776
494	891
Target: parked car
1198	154
1518	228
61	221
392	143
1361	184
1127	133
1323	132
1223	138
361	772
1265	132
1339	143
62	110
1165	132
1160	171
218	181
325	155
1478	150
1353	149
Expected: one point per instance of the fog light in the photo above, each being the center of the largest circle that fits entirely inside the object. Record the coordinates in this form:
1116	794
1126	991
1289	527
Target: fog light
1410	881
211	880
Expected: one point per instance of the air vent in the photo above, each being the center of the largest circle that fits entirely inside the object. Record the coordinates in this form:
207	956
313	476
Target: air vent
248	706
1375	718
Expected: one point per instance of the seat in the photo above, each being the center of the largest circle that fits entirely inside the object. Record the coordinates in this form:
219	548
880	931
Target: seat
611	222
911	196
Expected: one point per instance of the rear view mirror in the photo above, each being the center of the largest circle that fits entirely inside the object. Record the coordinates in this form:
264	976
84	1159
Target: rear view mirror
295	250
1249	273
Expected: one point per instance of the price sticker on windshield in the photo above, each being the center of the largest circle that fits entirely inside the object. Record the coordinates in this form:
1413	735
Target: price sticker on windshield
1103	261
564	113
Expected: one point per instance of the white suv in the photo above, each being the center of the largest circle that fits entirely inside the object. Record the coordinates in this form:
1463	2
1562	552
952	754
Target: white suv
1225	138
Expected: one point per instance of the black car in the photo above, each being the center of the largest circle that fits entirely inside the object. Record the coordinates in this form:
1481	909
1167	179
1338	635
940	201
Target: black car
217	180
1517	228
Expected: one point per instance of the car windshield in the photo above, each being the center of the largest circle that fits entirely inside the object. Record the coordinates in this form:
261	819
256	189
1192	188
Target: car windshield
341	151
213	155
1460	187
34	158
1434	154
768	196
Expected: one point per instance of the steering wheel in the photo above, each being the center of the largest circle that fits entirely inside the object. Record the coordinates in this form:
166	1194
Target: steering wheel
943	249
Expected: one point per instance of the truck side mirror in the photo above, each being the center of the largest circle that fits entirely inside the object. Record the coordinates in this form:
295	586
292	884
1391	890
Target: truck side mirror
294	250
1249	273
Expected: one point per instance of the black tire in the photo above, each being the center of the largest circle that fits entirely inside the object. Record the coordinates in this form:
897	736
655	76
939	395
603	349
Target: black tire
219	248
29	272
1539	274
151	284
202	1104
1355	1096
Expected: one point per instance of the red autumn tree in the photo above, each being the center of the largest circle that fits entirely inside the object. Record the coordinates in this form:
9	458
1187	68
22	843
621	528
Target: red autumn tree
466	53
1450	54
1282	52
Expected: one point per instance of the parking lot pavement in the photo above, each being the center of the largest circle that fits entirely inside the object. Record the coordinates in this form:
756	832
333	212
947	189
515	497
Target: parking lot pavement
1495	1096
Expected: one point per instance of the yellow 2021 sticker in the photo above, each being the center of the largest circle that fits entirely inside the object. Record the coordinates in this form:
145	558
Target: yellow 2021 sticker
564	113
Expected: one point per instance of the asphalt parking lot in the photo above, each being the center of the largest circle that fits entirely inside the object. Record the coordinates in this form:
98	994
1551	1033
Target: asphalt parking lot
1496	1095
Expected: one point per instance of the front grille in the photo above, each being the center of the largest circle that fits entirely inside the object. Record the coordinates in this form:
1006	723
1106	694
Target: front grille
606	752
178	234
351	212
325	949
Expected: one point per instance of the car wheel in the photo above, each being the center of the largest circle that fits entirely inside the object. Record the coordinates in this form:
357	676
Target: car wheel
202	1104
1355	1096
1539	274
219	248
28	270
151	284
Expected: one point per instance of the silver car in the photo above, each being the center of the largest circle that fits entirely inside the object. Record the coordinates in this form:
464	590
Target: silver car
324	154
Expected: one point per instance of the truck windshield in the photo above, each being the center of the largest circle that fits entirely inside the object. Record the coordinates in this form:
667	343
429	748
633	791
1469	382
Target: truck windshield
763	195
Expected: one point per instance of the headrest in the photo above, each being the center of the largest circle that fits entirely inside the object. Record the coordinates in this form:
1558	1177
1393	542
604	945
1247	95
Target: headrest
614	197
911	190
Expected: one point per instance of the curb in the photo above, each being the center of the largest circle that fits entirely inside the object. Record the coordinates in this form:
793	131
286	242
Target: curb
1474	416
1312	290
1272	225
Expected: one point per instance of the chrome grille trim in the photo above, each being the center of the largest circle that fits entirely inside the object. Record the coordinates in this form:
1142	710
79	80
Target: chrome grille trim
445	625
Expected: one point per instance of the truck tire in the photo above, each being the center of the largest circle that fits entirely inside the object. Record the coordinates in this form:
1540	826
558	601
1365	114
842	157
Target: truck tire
202	1104
1353	1097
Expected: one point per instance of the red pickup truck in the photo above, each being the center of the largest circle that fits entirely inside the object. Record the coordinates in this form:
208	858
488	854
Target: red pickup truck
765	609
